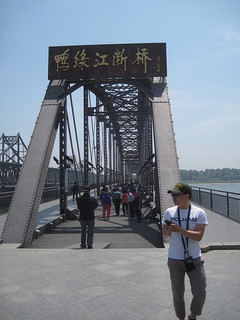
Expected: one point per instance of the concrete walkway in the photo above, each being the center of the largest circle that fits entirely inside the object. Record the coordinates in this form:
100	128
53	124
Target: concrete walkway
56	280
116	233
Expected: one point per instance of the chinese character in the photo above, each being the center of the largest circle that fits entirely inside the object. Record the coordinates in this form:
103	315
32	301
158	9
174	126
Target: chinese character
158	64
142	58
81	60
61	61
119	59
101	61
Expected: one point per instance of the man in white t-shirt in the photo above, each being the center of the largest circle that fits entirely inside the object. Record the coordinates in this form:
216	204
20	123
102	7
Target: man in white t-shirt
185	224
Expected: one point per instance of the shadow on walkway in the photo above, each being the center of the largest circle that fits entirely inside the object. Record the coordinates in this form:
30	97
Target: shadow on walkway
117	231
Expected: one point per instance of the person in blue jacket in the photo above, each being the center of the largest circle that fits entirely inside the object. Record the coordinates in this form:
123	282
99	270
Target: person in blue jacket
106	203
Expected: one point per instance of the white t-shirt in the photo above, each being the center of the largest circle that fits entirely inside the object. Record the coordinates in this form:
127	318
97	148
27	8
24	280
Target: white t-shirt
197	216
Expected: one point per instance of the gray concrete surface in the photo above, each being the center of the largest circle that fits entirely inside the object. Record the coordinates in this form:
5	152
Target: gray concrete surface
128	283
116	233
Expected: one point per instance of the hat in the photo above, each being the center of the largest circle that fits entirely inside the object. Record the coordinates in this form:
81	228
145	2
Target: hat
86	189
181	188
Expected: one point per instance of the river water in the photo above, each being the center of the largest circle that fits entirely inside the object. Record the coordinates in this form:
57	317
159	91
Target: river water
228	187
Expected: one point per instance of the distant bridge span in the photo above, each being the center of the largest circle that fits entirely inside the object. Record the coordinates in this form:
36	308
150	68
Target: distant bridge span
127	133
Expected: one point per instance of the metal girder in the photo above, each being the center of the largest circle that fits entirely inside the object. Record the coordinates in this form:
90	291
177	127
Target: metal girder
13	149
97	147
12	154
139	112
122	109
9	173
137	137
20	222
85	136
128	109
62	158
167	168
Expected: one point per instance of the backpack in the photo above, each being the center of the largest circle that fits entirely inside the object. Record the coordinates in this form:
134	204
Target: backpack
124	198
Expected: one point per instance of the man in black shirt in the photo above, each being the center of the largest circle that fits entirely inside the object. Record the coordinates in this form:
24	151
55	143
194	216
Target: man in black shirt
75	191
86	205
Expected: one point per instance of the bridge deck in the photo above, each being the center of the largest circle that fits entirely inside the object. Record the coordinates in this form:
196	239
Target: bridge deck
118	232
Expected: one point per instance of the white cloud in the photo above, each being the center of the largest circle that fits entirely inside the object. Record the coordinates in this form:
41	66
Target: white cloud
227	32
229	37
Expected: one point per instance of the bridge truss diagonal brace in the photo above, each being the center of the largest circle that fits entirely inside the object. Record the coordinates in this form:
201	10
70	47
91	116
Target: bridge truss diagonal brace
21	218
165	145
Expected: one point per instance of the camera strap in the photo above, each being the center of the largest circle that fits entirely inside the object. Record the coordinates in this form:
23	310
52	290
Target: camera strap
179	220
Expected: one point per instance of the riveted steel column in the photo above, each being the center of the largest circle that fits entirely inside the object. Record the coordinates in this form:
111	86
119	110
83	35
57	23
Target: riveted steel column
149	150
120	165
85	136
98	146
62	160
165	145
110	153
105	152
114	160
21	219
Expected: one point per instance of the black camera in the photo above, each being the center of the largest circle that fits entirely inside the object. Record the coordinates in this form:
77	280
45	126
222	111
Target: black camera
168	222
189	264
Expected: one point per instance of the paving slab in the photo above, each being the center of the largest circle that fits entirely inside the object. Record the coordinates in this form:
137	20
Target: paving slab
54	279
108	284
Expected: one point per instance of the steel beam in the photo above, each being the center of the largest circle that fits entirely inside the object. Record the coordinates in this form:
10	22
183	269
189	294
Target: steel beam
165	145
98	146
85	136
20	222
62	160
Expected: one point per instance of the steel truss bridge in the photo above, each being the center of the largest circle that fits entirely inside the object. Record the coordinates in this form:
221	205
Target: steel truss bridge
12	154
127	133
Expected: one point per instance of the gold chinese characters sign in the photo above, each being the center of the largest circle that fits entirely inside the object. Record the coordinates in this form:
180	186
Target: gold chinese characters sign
125	61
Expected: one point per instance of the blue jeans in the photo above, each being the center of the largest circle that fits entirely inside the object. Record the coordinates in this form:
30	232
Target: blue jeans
89	233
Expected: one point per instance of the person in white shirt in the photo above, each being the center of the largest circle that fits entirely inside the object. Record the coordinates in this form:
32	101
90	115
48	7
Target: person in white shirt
131	199
185	224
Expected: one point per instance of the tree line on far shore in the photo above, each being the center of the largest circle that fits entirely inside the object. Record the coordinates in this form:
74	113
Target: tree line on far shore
225	174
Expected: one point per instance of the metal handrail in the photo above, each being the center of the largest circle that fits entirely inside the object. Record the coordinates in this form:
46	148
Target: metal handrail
49	193
226	203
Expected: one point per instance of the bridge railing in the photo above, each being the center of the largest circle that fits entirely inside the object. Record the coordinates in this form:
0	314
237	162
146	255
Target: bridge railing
5	200
49	193
223	202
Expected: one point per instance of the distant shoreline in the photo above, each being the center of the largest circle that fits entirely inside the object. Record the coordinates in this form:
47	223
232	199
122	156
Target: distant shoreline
212	181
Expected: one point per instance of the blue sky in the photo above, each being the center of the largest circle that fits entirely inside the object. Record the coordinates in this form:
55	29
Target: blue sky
203	62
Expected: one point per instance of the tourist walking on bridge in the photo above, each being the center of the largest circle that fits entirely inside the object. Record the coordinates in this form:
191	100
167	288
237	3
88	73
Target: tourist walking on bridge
131	208
116	194
124	199
185	224
75	190
106	203
137	210
86	205
140	192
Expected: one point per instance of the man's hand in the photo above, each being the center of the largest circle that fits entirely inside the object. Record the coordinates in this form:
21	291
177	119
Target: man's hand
166	230
173	227
194	235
